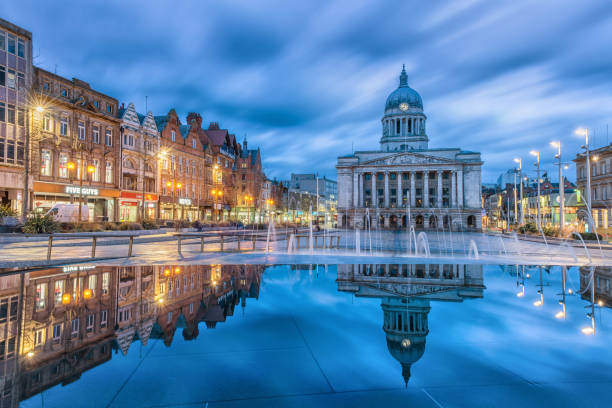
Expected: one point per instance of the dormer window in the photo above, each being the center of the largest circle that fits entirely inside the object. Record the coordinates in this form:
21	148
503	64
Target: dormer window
193	143
64	92
97	104
109	108
173	136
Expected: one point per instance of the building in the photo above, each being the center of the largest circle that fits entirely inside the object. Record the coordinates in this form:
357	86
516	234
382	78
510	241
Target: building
139	165
251	200
15	84
601	184
405	182
325	192
76	149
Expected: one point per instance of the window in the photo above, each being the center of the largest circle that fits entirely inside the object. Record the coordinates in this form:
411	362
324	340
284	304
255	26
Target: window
8	309
109	108
11	114
92	282
20	48
124	315
64	126
2	76
173	136
169	317
46	123
193	143
41	296
39	337
191	308
2	41
91	319
63	165
108	174
75	327
57	332
105	283
2	111
95	176
11	43
81	130
59	291
45	163
64	92
103	318
97	104
20	80
46	87
109	137
95	134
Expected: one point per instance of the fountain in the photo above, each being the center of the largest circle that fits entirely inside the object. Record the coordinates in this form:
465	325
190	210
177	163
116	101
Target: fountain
291	244
586	250
310	238
271	234
357	241
423	243
502	246
473	250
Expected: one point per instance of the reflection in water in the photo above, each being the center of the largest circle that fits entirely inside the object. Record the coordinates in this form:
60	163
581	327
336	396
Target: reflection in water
405	292
58	323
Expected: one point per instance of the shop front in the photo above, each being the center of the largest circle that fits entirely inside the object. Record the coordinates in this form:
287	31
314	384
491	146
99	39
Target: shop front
102	202
130	206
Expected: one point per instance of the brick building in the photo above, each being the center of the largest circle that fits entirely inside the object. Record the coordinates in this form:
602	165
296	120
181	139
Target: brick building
75	146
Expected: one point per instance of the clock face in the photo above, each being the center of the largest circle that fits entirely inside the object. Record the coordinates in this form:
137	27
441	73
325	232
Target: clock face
403	106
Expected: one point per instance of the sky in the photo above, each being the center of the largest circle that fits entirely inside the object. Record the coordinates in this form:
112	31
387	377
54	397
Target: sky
307	81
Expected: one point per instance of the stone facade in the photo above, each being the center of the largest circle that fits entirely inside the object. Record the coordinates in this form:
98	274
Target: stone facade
405	183
601	184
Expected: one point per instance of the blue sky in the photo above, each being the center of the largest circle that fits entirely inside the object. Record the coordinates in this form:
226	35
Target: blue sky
307	80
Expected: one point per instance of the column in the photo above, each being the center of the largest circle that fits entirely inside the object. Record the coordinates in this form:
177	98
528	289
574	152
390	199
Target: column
425	189
355	190
439	189
386	198
360	175
453	198
399	195
412	190
374	202
460	188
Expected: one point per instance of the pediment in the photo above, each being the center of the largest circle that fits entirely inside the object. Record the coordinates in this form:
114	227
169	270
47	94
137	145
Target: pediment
407	158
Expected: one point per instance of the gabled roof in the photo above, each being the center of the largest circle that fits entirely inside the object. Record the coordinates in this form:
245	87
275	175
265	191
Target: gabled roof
161	122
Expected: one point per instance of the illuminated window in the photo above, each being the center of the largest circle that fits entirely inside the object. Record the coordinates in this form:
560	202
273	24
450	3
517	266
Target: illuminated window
95	134
59	291
45	163
105	282
103	318
81	130
108	176
41	296
39	337
64	126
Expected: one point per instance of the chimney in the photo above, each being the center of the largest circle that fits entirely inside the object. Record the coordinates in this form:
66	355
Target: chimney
122	105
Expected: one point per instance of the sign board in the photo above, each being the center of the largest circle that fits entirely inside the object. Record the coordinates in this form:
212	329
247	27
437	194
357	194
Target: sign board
184	201
88	191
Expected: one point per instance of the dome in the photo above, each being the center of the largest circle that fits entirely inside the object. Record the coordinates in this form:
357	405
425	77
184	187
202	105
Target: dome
403	94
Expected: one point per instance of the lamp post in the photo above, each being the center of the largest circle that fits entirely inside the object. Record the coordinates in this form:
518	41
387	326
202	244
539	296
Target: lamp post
561	186
537	164
585	132
520	169
70	168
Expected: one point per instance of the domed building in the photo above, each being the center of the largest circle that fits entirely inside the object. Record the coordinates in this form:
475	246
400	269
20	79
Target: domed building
377	186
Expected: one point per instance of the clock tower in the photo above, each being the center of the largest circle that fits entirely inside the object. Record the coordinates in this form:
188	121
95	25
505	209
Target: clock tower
403	123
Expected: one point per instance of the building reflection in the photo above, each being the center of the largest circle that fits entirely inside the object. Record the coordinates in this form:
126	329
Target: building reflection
57	323
406	292
600	292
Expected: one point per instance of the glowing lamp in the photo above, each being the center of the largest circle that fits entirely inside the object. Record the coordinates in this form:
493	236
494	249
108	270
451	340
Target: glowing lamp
91	169
537	303
87	293
30	354
65	298
560	315
589	331
177	270
70	165
166	272
178	185
169	184
39	109
160	301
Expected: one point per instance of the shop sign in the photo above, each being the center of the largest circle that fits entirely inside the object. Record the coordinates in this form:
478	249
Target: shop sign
129	203
184	201
151	205
138	196
88	191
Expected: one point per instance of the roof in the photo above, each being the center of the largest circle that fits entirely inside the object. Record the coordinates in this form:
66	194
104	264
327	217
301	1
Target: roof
217	137
161	122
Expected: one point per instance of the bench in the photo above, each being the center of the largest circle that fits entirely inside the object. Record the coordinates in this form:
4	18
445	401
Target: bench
94	241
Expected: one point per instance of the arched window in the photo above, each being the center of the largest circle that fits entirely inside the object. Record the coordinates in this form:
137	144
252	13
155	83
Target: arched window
409	125
397	127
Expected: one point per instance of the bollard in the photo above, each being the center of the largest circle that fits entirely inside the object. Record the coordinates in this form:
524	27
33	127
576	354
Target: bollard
201	244
130	246
238	237
93	246
221	243
254	239
178	244
49	247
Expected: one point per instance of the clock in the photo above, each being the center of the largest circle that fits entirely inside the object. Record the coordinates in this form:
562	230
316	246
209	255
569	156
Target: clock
406	343
404	106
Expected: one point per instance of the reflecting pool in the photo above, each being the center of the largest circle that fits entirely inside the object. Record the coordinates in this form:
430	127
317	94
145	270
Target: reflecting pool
431	335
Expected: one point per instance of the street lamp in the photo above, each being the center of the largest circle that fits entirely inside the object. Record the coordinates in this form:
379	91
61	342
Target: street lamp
520	163
561	187
585	132
537	164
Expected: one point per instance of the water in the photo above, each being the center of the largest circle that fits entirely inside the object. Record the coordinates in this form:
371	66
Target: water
462	335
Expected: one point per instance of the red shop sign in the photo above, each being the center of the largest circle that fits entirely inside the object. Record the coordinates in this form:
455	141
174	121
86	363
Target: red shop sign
129	203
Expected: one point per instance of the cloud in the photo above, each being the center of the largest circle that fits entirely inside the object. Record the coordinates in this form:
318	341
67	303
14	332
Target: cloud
307	81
